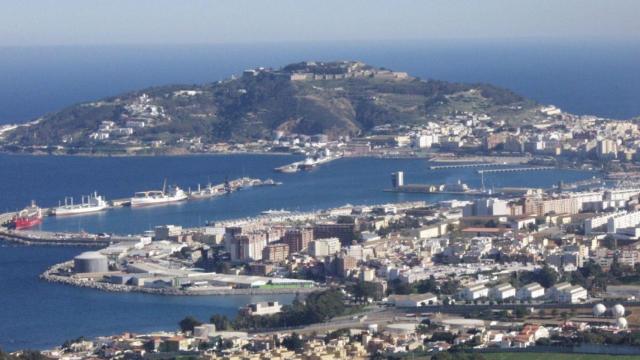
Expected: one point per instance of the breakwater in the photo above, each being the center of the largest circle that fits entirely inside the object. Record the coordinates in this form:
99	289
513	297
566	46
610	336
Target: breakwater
26	237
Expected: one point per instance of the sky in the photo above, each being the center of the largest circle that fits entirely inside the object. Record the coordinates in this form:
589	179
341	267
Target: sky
106	22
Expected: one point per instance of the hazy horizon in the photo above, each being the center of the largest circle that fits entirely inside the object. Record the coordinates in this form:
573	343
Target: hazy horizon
116	22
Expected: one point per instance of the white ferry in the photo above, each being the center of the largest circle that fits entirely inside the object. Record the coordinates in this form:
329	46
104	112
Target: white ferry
88	204
155	197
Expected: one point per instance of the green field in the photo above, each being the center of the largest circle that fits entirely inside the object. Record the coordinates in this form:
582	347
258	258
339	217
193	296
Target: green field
554	356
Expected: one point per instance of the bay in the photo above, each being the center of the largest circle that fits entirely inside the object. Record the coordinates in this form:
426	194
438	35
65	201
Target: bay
36	314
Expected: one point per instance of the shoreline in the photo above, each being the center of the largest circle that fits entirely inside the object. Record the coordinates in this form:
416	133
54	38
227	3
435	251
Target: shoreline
123	155
49	276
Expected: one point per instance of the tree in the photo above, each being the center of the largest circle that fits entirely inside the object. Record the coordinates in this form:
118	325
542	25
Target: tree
293	342
221	322
427	285
520	312
449	287
396	286
443	336
546	276
364	290
188	323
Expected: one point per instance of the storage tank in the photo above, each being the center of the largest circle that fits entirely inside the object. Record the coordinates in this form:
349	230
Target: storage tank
90	262
599	309
621	323
617	311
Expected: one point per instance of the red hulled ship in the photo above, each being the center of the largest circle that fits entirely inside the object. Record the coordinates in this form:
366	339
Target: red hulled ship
27	217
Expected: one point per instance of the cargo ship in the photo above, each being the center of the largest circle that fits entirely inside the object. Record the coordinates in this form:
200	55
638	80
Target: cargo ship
27	217
88	204
207	192
156	197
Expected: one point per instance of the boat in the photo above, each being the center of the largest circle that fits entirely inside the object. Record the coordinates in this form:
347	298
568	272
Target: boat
207	192
308	164
269	182
288	169
155	197
27	217
88	204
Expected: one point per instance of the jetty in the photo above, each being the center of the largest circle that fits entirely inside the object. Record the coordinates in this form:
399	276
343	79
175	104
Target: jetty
307	164
37	237
462	166
504	170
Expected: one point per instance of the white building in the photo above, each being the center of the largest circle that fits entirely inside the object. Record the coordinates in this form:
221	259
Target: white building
572	295
263	308
473	292
324	247
593	224
623	221
530	292
554	292
502	292
414	300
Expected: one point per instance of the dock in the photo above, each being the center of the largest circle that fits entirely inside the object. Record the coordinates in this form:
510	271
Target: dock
462	166
426	190
36	237
307	164
504	170
6	217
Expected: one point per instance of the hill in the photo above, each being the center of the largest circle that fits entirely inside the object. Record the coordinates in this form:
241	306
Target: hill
334	98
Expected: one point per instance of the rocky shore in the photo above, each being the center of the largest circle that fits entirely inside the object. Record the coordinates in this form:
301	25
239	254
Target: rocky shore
51	275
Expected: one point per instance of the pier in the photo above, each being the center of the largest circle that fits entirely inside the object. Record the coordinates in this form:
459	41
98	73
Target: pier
462	166
307	164
36	237
537	168
6	217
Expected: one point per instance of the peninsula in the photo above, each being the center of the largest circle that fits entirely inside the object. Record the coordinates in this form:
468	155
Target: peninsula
265	110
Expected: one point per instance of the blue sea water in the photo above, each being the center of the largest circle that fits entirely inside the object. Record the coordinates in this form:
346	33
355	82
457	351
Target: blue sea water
37	314
580	76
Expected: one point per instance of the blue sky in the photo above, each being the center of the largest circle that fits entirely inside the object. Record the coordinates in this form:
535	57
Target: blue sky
97	22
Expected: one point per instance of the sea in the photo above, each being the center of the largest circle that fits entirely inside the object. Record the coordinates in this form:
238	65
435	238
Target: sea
579	76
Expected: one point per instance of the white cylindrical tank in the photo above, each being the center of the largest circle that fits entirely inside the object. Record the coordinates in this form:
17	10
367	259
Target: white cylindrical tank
621	323
617	311
91	262
599	309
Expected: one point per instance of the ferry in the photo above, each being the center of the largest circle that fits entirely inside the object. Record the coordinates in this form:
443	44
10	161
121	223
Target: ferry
27	217
155	197
88	204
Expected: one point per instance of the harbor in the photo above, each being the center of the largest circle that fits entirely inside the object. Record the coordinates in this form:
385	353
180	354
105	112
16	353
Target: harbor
14	224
